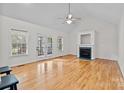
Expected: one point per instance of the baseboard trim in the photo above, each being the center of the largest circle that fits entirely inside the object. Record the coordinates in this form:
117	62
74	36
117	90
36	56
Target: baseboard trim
38	61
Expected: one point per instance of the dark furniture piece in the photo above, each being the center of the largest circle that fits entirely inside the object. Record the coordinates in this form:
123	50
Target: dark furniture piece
5	69
9	81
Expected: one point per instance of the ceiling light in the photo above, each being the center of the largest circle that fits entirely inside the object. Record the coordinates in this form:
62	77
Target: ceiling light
70	16
69	21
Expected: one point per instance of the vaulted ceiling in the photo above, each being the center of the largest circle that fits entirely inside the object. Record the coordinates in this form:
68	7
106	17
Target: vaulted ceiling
47	14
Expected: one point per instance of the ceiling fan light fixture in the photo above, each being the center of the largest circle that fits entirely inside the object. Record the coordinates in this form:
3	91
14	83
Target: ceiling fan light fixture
69	21
70	16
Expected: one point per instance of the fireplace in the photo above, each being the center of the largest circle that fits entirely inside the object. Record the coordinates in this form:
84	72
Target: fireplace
85	52
86	45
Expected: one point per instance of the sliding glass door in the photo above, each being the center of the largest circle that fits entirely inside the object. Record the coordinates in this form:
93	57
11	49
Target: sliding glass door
49	45
44	46
41	46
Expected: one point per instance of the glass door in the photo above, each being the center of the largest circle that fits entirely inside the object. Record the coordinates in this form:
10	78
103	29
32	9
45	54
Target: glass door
44	46
49	45
41	46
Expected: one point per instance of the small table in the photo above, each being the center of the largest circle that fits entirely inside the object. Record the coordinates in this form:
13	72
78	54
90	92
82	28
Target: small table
9	81
5	69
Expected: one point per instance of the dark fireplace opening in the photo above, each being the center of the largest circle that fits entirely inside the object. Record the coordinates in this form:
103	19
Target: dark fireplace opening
85	52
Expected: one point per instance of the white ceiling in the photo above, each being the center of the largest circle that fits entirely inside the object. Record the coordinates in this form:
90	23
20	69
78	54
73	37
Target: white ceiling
47	14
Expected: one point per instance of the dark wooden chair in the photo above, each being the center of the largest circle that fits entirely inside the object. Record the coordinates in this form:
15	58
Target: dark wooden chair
5	69
9	81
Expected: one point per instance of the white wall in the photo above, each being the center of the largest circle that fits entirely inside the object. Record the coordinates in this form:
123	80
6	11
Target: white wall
121	44
8	23
106	37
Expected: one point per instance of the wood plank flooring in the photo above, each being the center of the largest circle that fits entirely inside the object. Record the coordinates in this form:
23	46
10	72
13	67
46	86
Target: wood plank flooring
69	72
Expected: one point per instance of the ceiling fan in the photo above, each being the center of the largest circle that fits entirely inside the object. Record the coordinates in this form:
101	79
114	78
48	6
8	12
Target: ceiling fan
69	19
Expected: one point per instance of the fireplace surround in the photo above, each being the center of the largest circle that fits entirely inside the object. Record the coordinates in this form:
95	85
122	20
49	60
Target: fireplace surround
86	45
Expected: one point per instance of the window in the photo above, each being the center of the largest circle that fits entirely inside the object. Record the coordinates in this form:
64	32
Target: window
41	46
18	42
49	48
60	43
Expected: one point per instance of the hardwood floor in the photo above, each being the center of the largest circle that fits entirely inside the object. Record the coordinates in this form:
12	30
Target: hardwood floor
69	72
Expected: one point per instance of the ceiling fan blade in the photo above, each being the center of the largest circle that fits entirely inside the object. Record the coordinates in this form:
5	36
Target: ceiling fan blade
61	18
76	19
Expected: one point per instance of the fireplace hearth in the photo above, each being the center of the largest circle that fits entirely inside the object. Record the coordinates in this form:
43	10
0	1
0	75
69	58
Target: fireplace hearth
85	52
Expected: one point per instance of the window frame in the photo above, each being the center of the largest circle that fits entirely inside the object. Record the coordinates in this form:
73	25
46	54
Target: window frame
27	36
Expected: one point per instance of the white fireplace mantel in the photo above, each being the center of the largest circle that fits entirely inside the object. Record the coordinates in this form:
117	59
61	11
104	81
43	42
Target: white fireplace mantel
86	39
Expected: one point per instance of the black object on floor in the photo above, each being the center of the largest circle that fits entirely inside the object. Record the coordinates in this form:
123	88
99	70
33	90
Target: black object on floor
9	81
5	69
